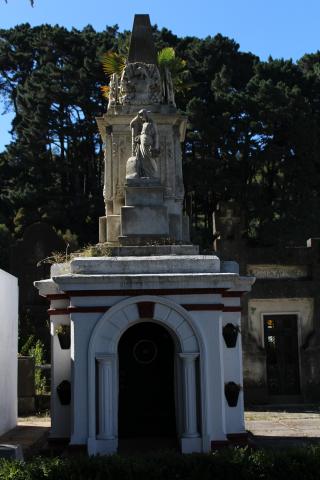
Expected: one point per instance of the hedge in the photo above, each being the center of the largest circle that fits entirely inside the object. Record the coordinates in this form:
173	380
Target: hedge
230	464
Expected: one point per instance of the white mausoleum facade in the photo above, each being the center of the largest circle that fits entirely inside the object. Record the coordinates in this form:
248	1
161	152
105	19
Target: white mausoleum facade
146	342
192	307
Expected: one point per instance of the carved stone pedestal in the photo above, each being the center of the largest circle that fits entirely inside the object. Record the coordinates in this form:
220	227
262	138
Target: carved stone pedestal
144	217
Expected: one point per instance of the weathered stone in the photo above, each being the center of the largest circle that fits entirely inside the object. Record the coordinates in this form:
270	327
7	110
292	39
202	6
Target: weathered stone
145	220
147	265
141	44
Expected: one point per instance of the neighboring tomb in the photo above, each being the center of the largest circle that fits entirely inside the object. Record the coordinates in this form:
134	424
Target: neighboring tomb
8	351
146	342
280	322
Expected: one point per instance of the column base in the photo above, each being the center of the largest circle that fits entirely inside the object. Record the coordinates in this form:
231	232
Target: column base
98	446
191	445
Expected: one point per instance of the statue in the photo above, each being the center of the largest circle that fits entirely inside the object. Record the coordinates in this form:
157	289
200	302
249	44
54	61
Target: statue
145	147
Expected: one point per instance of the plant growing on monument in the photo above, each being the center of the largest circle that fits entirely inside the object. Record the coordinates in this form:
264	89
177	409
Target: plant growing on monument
114	63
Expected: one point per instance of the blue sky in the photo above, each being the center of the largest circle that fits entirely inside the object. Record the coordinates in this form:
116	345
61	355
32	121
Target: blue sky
281	28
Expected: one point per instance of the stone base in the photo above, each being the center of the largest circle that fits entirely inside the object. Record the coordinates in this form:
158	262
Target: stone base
149	221
142	240
113	228
150	250
144	195
102	446
191	445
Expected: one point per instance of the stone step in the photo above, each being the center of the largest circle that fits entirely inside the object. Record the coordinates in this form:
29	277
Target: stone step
146	265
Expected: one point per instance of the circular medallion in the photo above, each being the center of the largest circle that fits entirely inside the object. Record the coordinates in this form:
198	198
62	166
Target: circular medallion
145	351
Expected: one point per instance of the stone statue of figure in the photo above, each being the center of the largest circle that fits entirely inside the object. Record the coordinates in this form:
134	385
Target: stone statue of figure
145	147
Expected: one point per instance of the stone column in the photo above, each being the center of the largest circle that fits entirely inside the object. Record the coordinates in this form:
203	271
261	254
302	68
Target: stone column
189	394
106	397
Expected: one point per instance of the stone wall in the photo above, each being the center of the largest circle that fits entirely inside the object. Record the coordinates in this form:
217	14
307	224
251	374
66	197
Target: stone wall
287	282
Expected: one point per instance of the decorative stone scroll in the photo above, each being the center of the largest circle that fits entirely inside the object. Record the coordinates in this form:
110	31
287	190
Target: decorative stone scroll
140	84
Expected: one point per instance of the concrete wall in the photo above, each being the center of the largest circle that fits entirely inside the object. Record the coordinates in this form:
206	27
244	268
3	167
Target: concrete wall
8	350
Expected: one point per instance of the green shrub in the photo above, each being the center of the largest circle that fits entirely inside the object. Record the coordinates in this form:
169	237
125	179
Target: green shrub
229	464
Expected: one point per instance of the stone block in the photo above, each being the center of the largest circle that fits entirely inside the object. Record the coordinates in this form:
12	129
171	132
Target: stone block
151	195
144	220
191	445
102	229
185	229
113	228
175	226
165	264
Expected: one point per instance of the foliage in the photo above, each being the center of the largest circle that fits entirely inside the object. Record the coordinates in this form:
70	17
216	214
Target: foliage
35	348
240	463
113	62
253	133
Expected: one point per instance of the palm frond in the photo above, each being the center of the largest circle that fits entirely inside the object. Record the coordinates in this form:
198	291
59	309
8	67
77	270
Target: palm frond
166	56
113	62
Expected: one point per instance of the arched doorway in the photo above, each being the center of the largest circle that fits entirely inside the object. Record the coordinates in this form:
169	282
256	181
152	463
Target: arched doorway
146	382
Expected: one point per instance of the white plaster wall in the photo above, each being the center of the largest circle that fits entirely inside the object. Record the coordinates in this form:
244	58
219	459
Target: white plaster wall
60	370
233	372
8	350
82	325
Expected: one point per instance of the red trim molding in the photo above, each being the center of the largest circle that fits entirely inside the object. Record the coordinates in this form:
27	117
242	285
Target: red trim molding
146	309
232	294
68	310
57	296
203	306
231	309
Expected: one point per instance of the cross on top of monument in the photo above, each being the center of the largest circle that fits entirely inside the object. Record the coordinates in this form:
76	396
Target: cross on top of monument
142	47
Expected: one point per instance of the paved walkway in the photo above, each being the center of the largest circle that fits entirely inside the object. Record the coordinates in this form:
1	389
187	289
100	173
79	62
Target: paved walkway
270	427
278	427
31	433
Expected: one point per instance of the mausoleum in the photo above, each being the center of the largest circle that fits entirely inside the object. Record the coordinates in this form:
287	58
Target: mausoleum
146	342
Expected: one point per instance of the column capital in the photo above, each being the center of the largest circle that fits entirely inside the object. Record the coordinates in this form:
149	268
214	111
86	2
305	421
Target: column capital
105	357
189	357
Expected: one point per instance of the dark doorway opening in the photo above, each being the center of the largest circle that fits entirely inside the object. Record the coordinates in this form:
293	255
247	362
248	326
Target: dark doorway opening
281	344
146	382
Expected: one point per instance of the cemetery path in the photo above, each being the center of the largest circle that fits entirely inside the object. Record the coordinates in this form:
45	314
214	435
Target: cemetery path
30	433
270	428
285	427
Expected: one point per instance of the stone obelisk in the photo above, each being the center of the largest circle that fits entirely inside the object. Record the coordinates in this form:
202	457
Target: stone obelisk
142	133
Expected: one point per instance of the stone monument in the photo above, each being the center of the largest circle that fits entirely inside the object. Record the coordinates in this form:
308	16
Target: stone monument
142	132
153	349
